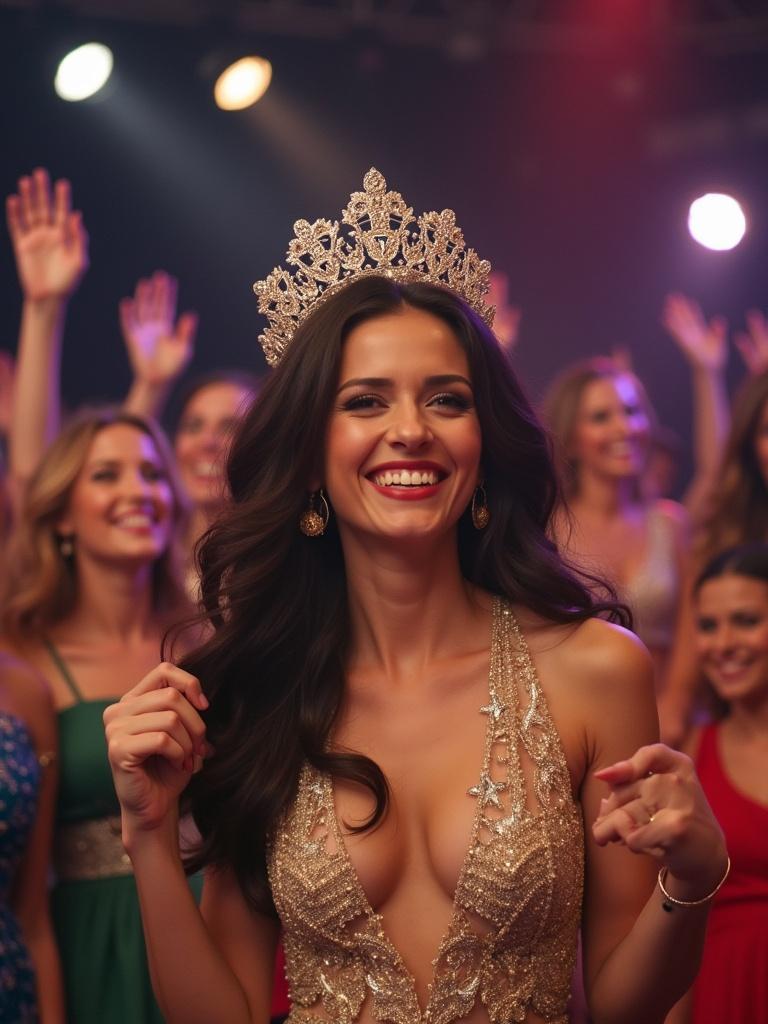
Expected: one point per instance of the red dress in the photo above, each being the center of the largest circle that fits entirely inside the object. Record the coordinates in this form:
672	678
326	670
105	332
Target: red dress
732	986
281	1004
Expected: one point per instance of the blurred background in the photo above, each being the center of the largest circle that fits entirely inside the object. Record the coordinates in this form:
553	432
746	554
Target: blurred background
570	137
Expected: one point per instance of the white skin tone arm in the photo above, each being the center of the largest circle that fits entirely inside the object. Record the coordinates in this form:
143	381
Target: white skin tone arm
208	965
640	959
705	346
50	247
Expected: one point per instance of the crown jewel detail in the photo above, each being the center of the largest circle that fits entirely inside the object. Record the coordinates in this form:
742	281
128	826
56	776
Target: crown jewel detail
378	234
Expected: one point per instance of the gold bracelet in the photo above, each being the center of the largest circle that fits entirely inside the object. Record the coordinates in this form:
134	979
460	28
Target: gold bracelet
670	902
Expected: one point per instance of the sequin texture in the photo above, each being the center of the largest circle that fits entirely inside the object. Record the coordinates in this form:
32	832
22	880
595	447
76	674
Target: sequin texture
522	877
19	784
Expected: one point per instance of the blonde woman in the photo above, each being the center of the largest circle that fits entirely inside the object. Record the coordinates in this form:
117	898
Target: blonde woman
92	584
602	423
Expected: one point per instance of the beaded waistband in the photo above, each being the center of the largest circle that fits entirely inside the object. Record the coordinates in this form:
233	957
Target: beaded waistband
90	849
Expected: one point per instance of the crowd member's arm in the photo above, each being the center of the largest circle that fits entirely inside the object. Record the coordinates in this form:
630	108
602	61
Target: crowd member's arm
50	246
506	322
7	374
29	895
682	674
159	346
639	958
704	344
753	343
212	964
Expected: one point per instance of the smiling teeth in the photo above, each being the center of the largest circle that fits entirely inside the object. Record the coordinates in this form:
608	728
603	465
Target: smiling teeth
209	469
406	478
135	519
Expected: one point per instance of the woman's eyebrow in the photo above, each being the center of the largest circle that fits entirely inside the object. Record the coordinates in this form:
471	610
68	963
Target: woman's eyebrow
382	382
366	382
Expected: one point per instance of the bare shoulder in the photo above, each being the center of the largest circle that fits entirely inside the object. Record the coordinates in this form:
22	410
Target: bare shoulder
593	654
675	513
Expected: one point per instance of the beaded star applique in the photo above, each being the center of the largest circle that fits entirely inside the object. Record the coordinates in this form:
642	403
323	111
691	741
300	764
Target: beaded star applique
522	877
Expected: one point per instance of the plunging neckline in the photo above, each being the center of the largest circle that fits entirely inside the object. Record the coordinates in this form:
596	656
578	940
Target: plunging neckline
496	706
518	889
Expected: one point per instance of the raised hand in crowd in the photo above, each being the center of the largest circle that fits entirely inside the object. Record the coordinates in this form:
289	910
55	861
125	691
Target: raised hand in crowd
506	323
753	343
50	247
703	342
50	244
159	345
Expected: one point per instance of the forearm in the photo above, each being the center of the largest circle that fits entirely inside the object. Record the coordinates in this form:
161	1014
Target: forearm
36	407
146	398
192	981
50	988
711	421
653	966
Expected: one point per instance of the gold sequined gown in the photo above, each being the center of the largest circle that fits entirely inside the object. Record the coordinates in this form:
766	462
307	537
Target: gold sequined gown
511	942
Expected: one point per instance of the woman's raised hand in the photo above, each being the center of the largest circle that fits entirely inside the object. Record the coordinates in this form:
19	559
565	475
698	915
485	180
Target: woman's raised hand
159	346
753	343
155	739
656	806
704	343
50	244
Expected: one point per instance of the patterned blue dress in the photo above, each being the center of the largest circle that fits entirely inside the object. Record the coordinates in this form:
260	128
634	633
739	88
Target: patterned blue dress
19	784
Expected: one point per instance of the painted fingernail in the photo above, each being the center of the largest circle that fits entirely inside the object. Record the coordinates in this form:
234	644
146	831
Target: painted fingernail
204	702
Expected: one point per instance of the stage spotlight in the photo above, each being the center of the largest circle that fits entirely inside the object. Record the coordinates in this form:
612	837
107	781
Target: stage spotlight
717	221
83	71
243	83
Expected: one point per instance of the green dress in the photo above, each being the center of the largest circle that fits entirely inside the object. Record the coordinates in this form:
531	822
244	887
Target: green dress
97	919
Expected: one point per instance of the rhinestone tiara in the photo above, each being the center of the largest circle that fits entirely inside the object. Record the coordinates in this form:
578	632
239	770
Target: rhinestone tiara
378	234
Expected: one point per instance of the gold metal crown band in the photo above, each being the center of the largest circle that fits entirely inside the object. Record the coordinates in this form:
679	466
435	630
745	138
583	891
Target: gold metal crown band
378	234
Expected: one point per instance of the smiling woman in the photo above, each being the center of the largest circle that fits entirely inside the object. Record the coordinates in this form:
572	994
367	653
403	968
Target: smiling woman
91	585
601	422
731	614
408	716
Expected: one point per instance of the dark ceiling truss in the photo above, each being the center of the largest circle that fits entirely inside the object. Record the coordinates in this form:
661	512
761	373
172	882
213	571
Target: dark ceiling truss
725	26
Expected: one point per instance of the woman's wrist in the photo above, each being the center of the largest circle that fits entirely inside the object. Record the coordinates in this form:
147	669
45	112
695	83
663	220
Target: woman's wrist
45	304
698	889
140	840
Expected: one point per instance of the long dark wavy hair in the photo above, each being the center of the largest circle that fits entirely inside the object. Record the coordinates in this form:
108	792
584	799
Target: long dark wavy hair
273	667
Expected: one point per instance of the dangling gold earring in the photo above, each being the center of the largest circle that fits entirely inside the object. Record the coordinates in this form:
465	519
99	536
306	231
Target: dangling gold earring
314	521
481	514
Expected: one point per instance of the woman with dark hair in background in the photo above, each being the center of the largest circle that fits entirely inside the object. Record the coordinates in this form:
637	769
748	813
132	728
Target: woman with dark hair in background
91	586
411	705
159	347
601	422
731	754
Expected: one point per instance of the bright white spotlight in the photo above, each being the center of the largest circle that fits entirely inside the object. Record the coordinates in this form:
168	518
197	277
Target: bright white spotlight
83	71
242	83
717	221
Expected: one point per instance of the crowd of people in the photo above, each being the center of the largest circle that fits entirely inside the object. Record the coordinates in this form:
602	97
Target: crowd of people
343	562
